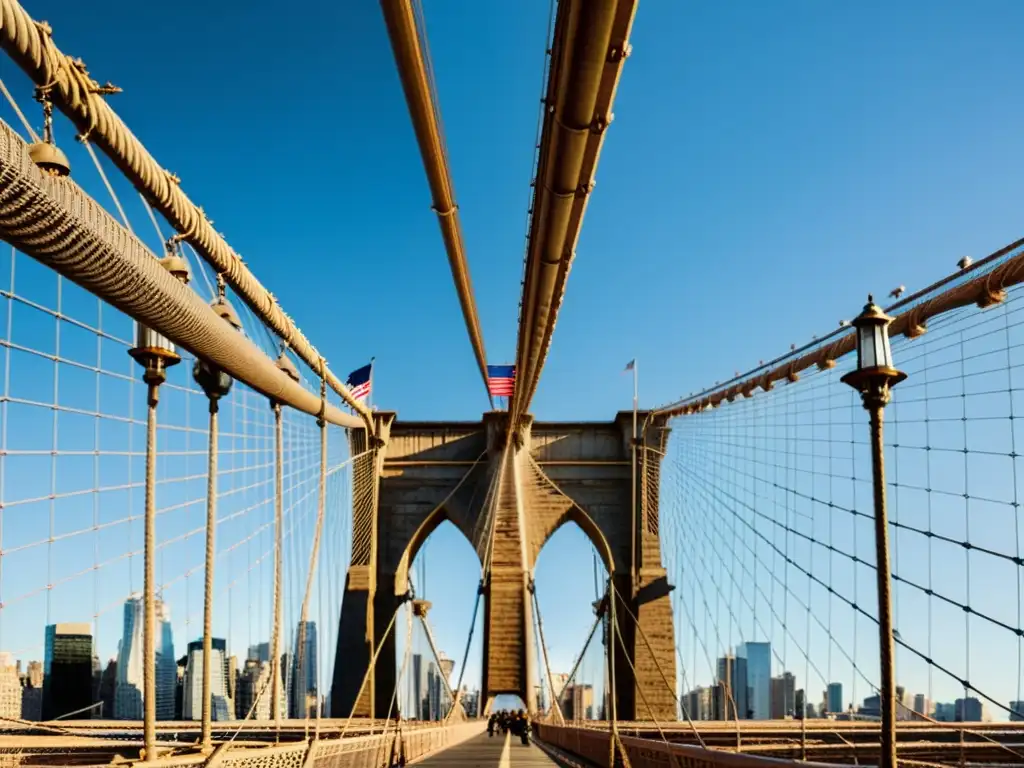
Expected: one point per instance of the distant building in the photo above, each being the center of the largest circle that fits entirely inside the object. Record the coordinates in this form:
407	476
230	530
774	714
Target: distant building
556	688
418	694
108	688
34	674
578	702
759	678
968	710
904	704
222	708
32	692
697	704
732	678
470	702
10	688
304	673
783	696
179	687
1016	711
834	697
67	671
871	707
128	693
922	706
254	677
260	652
434	700
31	703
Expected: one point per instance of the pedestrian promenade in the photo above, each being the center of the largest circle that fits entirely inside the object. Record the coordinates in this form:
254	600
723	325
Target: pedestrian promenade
498	751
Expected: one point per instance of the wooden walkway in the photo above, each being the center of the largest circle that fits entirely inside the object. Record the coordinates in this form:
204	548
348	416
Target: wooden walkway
490	752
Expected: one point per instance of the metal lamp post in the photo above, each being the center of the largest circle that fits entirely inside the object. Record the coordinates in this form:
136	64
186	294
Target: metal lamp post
874	378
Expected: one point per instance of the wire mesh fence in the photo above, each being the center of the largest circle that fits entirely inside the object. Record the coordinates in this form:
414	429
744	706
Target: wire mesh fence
767	524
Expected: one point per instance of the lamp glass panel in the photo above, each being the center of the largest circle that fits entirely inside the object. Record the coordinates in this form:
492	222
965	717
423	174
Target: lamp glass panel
147	338
883	332
866	347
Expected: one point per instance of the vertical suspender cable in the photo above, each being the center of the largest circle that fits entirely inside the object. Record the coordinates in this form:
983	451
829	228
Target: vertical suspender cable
149	579
211	532
301	666
275	641
155	353
610	645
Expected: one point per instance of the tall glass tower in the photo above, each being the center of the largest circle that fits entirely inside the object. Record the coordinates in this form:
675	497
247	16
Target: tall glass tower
835	698
759	678
130	664
304	671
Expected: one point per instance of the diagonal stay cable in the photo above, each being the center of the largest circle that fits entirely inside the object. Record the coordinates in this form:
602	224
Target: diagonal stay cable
862	611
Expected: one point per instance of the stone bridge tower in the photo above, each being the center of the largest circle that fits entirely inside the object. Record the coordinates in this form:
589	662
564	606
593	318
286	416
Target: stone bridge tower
508	503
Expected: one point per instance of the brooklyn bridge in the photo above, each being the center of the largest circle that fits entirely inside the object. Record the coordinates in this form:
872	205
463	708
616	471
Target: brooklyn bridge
815	560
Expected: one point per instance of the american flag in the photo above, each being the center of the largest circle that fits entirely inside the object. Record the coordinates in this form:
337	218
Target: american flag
360	381
501	380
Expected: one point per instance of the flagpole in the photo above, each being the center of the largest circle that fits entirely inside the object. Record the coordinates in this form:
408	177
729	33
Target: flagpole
369	395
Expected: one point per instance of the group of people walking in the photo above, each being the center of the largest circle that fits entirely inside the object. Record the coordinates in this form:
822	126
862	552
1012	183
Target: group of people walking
516	722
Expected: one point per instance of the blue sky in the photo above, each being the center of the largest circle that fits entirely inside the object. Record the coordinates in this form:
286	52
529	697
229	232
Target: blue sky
768	165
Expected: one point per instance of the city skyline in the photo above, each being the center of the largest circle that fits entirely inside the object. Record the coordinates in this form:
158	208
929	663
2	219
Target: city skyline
731	694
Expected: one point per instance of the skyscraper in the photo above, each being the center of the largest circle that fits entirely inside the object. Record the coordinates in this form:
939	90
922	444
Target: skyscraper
759	678
32	692
10	687
222	708
835	697
260	652
968	710
418	696
433	703
304	671
128	703
698	704
108	688
923	707
67	671
732	678
783	696
253	691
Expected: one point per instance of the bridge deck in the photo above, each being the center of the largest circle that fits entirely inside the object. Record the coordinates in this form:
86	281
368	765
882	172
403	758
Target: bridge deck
490	752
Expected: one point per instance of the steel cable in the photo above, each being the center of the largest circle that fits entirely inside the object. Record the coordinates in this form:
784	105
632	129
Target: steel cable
68	84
